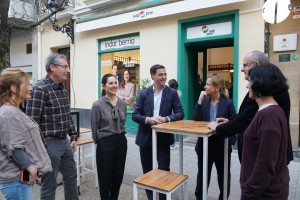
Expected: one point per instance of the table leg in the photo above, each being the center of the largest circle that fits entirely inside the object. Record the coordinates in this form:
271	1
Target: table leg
181	163
154	155
225	169
180	154
135	192
78	170
205	163
154	149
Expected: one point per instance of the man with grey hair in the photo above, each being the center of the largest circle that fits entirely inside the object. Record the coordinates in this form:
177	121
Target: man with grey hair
50	108
239	123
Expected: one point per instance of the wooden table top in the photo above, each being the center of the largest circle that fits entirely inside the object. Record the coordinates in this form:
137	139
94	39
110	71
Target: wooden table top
84	140
185	126
73	111
84	130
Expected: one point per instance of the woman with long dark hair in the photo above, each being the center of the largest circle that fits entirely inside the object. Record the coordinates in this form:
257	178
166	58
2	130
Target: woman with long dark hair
126	89
108	116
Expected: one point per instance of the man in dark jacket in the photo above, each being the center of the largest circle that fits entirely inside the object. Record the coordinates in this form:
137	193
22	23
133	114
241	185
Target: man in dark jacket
248	108
154	106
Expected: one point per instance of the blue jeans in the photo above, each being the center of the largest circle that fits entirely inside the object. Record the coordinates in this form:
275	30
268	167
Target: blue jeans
15	190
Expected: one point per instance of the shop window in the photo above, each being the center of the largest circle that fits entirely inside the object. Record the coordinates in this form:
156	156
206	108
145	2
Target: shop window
124	60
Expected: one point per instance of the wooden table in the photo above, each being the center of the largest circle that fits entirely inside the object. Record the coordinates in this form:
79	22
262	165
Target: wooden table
193	128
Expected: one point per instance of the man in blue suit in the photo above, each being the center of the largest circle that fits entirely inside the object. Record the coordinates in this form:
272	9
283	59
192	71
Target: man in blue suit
154	106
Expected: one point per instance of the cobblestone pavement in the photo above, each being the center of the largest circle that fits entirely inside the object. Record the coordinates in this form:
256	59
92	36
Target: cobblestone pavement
133	169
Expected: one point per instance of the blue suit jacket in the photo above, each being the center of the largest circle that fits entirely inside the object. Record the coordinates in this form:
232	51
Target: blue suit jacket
225	109
144	108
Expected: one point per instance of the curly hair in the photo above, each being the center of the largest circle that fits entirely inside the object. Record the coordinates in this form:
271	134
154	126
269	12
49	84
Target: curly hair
267	80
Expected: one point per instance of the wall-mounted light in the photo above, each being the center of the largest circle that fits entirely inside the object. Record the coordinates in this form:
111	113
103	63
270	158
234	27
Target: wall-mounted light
275	11
66	28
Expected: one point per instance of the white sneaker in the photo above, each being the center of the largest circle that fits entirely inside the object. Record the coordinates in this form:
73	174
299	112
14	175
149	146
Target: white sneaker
172	147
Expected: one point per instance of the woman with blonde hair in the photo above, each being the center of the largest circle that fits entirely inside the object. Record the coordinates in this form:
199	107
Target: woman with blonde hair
213	103
22	152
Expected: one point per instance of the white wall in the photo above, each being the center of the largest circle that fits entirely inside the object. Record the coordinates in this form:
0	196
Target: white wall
18	56
251	38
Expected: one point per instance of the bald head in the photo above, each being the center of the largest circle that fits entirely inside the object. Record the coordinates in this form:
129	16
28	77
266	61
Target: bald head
258	57
253	59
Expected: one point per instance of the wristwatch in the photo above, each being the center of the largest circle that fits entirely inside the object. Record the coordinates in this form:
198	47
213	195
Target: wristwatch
167	119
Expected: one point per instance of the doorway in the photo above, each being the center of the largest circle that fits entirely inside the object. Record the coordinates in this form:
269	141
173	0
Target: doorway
207	45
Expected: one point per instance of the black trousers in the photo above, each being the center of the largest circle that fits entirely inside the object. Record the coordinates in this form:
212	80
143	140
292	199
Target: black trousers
163	159
111	157
215	156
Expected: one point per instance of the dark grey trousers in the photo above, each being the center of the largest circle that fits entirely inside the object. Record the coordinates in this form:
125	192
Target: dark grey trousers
62	160
111	158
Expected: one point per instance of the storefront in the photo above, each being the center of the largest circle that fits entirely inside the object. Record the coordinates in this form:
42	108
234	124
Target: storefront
191	38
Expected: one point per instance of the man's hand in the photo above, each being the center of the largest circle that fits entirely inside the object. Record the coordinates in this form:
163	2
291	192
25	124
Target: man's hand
161	119
153	121
212	125
221	120
74	145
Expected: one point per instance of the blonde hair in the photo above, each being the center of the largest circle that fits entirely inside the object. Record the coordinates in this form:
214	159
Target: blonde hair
9	77
217	81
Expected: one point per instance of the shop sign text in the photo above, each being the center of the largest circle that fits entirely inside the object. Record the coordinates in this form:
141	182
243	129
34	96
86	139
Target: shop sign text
210	30
120	43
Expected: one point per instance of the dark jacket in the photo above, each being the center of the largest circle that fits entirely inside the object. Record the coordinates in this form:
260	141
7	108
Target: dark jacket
238	123
202	113
144	108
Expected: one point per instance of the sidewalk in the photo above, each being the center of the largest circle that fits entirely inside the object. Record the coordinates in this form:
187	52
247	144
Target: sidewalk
133	169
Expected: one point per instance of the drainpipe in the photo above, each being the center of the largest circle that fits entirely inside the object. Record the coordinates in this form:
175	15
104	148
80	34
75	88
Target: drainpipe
267	37
39	52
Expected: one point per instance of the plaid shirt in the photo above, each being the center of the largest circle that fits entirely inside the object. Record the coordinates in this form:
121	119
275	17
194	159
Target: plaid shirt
50	108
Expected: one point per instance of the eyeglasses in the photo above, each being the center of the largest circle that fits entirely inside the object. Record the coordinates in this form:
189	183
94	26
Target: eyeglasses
63	66
246	64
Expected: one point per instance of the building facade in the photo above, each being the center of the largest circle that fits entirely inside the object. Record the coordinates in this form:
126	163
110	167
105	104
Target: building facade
192	39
